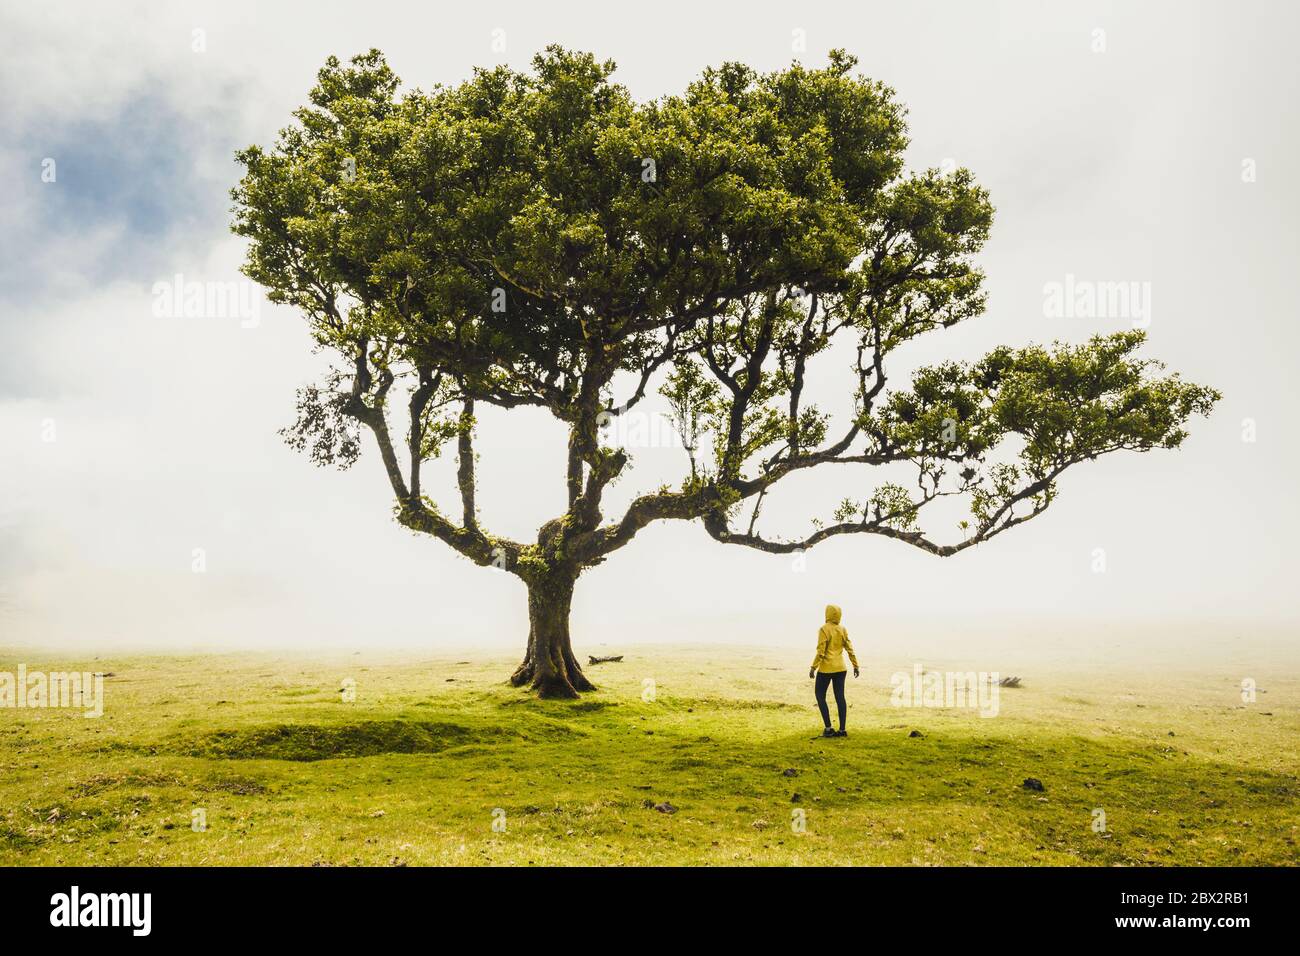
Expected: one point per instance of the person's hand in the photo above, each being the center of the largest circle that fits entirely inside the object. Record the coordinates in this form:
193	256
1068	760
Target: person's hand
812	672
855	672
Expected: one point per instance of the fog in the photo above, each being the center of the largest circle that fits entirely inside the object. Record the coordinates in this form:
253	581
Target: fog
147	501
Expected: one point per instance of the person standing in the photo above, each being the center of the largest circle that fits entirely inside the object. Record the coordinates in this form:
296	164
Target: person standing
829	670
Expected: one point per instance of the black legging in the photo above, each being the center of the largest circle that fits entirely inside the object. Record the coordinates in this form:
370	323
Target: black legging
838	681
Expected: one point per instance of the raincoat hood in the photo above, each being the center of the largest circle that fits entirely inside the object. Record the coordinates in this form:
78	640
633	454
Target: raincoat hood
832	642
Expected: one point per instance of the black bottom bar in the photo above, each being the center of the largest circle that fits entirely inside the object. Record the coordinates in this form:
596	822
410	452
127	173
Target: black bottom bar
333	905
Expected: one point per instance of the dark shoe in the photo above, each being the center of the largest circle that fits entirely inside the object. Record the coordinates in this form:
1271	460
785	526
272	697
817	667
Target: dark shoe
841	733
828	732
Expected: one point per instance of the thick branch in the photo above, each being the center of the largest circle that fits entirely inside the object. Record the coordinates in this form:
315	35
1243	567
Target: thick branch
414	511
1001	520
465	465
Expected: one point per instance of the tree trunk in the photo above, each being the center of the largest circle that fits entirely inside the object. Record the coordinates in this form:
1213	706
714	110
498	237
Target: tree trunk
549	667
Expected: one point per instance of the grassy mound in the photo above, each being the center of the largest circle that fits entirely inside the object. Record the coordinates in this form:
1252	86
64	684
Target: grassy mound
307	742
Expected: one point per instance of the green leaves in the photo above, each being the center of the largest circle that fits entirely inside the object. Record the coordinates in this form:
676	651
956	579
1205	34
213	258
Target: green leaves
323	430
1067	404
917	274
540	238
944	415
892	505
524	225
1072	403
1062	406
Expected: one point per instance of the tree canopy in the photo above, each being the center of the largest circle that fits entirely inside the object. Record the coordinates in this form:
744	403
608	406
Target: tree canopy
540	239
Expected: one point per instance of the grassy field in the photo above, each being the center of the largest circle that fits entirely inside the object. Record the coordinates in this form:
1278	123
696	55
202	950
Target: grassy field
433	752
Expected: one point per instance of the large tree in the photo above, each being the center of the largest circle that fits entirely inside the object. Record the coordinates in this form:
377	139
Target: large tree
540	239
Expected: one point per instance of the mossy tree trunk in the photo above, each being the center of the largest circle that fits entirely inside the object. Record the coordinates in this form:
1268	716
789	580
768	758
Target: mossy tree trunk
549	666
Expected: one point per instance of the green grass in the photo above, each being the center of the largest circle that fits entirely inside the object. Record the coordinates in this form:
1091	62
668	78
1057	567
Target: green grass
414	771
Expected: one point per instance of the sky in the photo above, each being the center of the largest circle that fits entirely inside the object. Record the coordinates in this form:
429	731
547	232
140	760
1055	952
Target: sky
146	499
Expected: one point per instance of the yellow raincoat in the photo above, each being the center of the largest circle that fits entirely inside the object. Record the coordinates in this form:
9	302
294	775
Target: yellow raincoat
832	642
